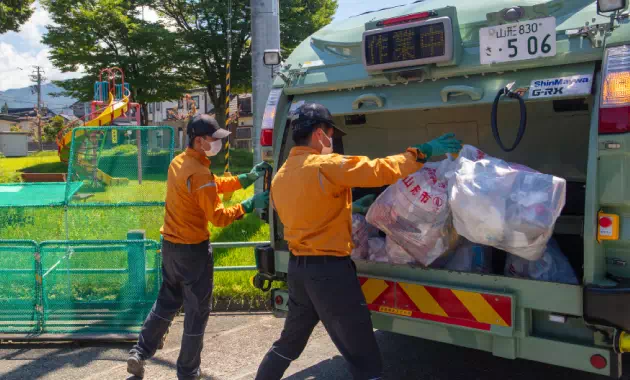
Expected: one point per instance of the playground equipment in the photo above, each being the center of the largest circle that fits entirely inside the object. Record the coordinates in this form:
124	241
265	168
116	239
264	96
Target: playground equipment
111	102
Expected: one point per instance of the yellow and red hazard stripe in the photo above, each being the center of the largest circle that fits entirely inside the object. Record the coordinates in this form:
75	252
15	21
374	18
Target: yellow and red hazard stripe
476	310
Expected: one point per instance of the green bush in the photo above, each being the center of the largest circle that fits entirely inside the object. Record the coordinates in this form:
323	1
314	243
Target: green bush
121	150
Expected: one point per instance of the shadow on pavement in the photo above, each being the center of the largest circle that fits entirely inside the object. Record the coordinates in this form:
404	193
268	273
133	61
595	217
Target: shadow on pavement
333	369
409	358
56	356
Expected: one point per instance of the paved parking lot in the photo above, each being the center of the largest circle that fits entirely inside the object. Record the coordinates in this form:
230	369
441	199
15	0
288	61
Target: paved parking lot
236	342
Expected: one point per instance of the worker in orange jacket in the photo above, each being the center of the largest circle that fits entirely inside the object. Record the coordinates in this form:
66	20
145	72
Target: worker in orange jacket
192	201
312	195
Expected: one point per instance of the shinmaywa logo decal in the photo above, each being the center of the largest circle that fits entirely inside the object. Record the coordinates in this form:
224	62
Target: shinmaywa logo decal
560	82
563	86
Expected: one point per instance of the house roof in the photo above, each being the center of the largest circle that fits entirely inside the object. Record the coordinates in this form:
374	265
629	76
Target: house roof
12	118
29	112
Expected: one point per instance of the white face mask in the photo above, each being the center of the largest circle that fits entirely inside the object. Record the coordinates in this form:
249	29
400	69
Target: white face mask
215	148
327	149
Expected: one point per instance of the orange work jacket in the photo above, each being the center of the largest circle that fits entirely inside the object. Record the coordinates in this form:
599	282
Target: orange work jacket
312	195
192	199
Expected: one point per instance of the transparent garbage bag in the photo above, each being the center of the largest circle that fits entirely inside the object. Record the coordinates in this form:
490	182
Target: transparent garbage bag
361	232
377	250
504	205
414	213
468	257
397	254
552	266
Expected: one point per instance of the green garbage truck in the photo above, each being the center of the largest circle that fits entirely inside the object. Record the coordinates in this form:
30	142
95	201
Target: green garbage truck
551	78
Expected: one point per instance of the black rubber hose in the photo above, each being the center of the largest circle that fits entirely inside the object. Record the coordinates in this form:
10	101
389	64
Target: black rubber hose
493	119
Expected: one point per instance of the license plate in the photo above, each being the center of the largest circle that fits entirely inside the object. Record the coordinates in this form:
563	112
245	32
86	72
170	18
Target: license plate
518	41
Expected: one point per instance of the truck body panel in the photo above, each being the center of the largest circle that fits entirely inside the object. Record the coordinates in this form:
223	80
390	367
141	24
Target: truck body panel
385	112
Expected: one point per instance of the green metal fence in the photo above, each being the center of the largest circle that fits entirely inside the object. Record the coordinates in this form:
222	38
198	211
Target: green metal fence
20	292
74	259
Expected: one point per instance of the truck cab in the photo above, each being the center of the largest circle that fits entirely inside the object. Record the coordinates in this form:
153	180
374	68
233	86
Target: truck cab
406	74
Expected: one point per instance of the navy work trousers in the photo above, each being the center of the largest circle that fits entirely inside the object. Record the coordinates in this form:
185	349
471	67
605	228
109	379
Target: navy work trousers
325	289
187	271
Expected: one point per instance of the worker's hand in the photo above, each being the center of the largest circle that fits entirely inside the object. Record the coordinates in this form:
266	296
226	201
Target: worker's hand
260	168
361	206
258	171
440	146
260	201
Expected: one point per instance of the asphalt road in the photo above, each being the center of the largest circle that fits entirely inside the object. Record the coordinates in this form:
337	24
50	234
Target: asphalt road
236	342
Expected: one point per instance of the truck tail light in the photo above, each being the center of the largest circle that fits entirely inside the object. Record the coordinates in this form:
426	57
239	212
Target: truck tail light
266	137
279	300
614	112
407	18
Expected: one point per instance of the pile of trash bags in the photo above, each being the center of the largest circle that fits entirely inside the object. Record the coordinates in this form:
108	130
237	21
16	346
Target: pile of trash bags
449	214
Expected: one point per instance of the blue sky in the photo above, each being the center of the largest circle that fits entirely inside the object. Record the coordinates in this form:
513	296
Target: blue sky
24	49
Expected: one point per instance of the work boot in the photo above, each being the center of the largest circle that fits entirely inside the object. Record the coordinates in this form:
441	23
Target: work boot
135	365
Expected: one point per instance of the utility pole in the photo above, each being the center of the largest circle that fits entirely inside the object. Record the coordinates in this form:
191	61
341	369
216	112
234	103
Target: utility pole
265	35
38	77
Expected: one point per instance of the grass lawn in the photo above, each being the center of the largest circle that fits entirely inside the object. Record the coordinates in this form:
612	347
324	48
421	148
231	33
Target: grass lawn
113	222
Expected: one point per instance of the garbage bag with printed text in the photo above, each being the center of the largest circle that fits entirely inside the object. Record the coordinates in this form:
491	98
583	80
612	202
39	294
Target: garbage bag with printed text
414	213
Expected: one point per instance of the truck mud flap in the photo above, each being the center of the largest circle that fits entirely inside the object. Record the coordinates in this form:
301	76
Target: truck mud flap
478	310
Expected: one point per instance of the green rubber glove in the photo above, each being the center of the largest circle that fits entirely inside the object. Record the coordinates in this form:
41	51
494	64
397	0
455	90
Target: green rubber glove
440	146
361	206
257	201
258	171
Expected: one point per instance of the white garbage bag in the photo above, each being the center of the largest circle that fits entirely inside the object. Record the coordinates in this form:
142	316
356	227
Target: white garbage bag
552	266
414	213
503	205
470	257
361	232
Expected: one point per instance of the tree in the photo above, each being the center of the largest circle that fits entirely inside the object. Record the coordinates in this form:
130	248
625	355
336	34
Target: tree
15	128
14	13
5	108
52	128
95	34
203	27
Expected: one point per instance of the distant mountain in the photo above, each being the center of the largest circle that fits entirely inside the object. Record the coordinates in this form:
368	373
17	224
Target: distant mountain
24	97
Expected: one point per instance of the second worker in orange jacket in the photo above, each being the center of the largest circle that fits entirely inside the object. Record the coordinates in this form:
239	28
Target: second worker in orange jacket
192	201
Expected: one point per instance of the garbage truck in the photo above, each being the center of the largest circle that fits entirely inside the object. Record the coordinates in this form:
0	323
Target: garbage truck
545	84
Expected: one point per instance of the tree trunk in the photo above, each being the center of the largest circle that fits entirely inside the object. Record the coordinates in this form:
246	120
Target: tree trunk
144	114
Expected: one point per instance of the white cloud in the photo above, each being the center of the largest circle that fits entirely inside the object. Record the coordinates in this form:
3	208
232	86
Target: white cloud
25	50
11	61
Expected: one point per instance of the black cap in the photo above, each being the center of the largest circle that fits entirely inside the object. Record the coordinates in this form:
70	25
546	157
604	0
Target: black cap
309	115
205	125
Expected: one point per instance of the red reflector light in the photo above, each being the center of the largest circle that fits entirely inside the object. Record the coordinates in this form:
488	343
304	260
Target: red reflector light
598	361
279	300
266	137
407	18
614	120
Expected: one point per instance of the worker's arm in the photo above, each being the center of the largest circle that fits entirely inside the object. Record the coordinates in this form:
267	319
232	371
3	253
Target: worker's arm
359	171
227	184
204	190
